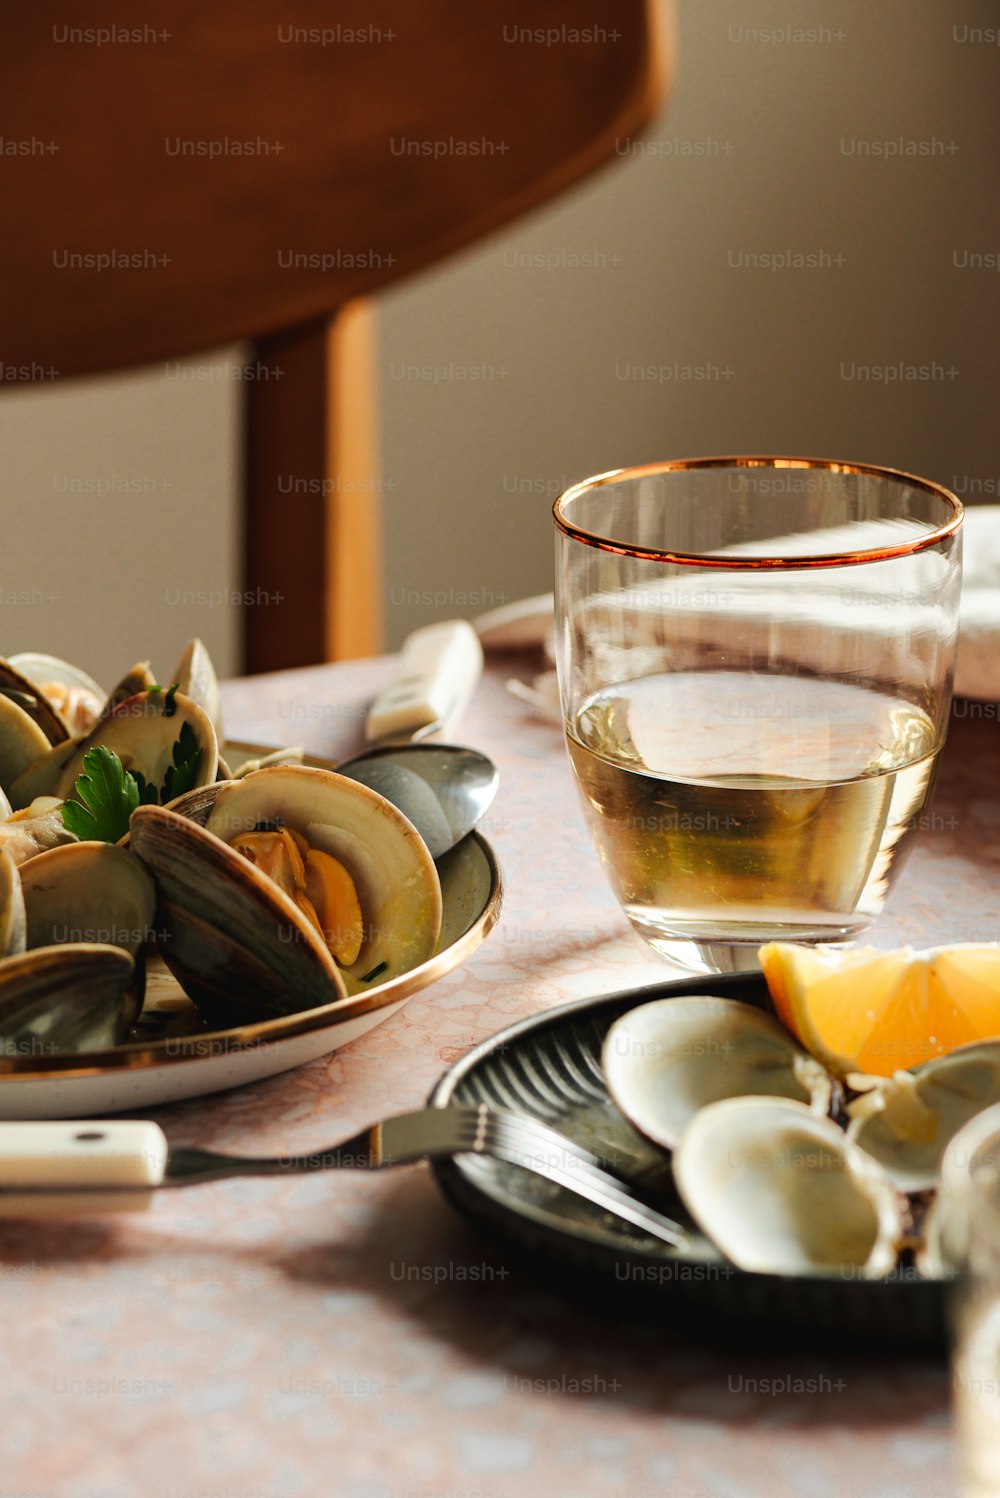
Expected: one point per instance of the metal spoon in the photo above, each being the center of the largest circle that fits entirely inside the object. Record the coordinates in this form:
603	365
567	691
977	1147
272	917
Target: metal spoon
443	789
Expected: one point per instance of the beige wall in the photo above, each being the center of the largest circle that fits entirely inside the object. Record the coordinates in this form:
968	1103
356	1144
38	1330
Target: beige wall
563	348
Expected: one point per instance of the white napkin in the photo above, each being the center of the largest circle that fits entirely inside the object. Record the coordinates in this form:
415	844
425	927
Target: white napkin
528	623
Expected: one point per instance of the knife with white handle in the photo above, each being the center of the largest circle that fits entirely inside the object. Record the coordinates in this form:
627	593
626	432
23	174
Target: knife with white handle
435	676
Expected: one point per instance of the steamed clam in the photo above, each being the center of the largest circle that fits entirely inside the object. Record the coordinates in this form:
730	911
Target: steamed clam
300	888
67	690
39	826
68	702
74	923
22	741
49	709
76	915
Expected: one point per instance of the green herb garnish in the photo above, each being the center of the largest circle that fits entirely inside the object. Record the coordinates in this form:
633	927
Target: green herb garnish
183	772
374	973
107	796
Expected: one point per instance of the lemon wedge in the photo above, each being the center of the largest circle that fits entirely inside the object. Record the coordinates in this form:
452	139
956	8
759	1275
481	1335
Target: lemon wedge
880	1012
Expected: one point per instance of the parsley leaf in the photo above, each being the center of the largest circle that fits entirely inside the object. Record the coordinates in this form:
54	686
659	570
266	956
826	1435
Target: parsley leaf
182	774
147	792
108	795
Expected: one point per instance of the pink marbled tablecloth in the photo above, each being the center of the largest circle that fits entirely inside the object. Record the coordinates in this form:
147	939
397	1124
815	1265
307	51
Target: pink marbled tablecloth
351	1337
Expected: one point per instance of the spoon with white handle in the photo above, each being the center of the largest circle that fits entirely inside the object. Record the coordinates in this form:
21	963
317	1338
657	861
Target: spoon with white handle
443	789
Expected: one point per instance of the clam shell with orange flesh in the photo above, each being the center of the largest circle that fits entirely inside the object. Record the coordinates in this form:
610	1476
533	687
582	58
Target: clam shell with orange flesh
239	943
387	859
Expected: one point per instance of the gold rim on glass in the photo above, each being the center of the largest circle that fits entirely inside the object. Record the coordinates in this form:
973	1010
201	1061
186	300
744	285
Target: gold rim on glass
745	563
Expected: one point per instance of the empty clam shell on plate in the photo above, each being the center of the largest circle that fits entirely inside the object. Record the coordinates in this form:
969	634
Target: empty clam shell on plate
665	1060
782	1191
907	1121
763	1170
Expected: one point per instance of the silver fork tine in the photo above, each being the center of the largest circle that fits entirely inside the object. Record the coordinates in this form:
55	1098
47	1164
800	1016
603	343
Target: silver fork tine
559	1163
547	1137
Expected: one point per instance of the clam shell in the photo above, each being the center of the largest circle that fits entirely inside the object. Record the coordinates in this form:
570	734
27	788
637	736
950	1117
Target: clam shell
390	864
13	925
142	734
294	754
22	742
906	1122
665	1060
196	678
41	710
42	775
137	679
970	1164
235	942
781	1191
86	893
67	998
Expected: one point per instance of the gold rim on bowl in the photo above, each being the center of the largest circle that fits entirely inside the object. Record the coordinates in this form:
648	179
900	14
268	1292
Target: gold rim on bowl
169	1049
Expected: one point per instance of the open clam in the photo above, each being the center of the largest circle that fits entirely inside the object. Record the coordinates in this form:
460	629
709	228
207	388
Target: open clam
143	731
782	1191
68	691
70	714
301	888
665	1061
907	1121
73	977
13	925
22	690
195	676
22	742
26	833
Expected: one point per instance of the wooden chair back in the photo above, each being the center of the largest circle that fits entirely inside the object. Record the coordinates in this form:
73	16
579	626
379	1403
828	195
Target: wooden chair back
235	172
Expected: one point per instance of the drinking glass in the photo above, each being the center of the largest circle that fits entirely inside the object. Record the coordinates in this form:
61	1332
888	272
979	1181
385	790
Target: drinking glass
966	1226
755	660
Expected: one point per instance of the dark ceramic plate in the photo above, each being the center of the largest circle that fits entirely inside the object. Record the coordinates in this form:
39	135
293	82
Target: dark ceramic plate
549	1067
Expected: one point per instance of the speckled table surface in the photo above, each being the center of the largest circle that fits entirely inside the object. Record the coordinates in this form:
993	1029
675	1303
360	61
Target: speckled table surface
352	1337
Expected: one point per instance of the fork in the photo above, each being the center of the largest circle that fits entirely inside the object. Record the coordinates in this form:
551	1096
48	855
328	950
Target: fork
55	1168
